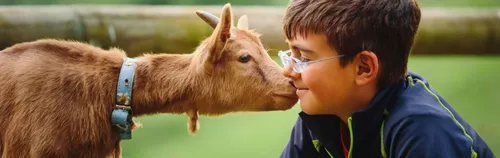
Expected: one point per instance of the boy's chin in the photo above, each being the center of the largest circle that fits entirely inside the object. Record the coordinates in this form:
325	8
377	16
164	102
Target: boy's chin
309	109
313	109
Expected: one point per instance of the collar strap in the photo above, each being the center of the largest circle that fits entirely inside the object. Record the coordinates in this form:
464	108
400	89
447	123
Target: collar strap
121	117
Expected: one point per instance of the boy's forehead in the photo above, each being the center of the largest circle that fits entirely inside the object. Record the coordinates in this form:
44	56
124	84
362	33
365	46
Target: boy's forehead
311	40
294	41
311	44
307	36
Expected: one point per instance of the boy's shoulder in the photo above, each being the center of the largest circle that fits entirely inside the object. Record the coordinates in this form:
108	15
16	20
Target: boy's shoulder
419	99
419	104
422	117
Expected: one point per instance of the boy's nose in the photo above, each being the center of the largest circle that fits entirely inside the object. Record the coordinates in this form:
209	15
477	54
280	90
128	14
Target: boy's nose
288	72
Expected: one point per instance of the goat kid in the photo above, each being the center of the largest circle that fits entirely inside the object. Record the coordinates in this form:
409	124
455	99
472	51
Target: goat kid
57	97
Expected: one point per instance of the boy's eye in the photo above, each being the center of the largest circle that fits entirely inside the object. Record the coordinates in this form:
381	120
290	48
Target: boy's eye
302	59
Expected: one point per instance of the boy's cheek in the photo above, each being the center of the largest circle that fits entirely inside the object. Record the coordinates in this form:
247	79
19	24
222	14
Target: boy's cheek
310	104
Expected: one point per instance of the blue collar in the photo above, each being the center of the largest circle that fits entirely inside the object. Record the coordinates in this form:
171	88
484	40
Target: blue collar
121	117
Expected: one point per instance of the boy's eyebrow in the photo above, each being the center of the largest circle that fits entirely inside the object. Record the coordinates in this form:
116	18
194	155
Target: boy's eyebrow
301	48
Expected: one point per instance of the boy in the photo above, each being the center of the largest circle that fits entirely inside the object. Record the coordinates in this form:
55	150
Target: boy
348	60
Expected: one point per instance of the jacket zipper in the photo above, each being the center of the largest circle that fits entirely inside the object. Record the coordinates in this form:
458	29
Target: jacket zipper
349	121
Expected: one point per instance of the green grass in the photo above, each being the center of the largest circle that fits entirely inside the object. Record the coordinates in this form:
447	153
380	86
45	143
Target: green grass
470	84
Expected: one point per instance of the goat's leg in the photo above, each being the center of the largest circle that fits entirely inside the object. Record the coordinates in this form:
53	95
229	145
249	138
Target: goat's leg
9	152
118	150
4	151
13	145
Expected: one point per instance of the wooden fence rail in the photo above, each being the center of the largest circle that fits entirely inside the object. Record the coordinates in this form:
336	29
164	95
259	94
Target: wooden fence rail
177	29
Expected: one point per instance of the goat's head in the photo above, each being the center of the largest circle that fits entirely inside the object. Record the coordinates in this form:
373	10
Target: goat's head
237	72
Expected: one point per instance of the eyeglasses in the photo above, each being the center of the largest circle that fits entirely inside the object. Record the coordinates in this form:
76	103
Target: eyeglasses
299	66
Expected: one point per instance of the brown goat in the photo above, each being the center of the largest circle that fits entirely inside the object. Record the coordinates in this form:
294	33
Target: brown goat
56	96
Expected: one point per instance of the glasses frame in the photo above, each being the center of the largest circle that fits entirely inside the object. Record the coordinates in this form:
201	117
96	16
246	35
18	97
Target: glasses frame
299	66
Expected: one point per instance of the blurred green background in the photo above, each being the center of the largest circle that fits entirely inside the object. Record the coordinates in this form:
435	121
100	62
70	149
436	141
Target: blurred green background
469	83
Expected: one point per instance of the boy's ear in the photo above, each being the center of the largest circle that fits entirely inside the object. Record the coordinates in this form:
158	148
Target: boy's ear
367	68
221	34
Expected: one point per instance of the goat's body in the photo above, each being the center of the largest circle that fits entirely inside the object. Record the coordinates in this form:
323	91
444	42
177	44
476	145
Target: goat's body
56	98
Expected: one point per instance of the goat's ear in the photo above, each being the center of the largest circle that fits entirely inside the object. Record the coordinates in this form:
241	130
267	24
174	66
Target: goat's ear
243	22
221	34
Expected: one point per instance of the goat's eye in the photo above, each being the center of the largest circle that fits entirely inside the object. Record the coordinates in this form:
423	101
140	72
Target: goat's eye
244	58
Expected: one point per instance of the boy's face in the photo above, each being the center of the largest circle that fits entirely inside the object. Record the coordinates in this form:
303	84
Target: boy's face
323	87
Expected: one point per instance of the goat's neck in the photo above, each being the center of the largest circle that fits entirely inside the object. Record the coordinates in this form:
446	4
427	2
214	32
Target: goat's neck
162	84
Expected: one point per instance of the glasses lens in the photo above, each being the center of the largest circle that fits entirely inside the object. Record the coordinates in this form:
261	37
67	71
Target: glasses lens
299	68
285	59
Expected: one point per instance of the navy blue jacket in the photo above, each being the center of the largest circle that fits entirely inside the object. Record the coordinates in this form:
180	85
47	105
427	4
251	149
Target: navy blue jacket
408	119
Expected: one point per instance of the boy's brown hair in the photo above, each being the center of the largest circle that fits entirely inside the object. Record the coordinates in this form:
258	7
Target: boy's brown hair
385	27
